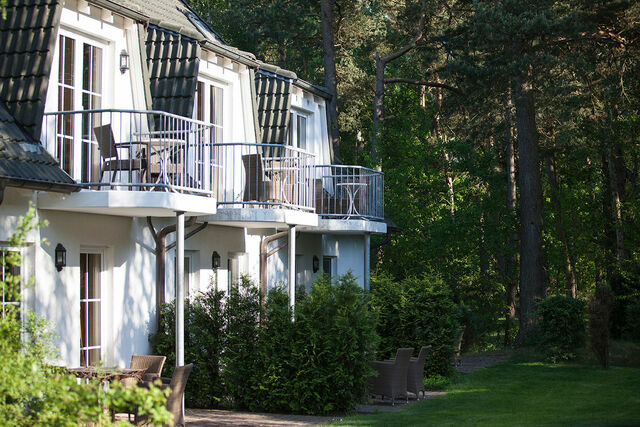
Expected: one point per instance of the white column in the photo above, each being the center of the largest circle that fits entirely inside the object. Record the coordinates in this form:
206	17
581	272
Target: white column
179	288
367	258
292	267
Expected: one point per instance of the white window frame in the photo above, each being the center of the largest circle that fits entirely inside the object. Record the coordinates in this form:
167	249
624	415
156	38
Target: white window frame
102	278
20	302
293	134
107	84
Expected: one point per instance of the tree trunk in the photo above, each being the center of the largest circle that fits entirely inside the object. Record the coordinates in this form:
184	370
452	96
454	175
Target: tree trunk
511	260
378	103
531	257
330	81
446	157
569	269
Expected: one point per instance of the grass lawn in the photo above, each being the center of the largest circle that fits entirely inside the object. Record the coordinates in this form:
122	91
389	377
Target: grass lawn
522	393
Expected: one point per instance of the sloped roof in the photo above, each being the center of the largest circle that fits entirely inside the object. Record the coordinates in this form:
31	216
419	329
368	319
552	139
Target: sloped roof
172	63
24	162
273	97
27	40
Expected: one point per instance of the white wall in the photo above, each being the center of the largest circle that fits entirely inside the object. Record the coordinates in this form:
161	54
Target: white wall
349	253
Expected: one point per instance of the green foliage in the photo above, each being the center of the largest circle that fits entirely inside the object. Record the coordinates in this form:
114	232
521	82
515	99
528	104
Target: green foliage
415	312
562	327
436	382
317	364
600	307
335	338
33	393
633	321
203	320
240	356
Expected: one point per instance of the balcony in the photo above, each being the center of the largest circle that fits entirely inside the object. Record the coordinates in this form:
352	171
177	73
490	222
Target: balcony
153	151
349	192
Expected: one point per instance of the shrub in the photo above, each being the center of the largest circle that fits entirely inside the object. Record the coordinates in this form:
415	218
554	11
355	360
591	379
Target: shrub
600	307
416	312
562	327
334	340
241	354
632	317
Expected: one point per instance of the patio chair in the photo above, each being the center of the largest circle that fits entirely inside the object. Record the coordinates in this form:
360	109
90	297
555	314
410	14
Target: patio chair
177	386
391	380
257	186
457	361
111	161
152	364
415	373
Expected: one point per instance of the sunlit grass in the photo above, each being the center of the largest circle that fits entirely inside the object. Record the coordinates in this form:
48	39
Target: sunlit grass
527	393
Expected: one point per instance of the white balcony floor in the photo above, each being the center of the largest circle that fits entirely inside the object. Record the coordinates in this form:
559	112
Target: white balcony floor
128	203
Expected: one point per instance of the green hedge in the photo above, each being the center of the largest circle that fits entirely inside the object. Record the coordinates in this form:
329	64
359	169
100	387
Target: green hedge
562	327
316	364
415	312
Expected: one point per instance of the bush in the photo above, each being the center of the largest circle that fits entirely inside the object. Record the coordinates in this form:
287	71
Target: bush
600	308
562	327
315	365
632	317
334	340
413	313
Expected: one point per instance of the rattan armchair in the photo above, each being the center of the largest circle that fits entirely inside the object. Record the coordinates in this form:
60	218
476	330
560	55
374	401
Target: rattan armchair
391	380
177	386
152	364
415	373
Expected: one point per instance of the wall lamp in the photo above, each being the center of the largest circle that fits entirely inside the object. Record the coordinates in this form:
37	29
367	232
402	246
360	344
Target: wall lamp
60	257
215	260
124	61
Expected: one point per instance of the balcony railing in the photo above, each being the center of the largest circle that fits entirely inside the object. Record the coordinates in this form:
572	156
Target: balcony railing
349	192
135	150
264	175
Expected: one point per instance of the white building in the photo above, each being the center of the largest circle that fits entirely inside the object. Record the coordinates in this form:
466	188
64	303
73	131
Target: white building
150	121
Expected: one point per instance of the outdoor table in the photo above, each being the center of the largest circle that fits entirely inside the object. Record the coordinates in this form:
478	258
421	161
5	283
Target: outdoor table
106	374
352	187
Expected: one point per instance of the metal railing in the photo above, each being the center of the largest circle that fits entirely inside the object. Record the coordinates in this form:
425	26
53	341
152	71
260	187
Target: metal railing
136	150
264	175
349	192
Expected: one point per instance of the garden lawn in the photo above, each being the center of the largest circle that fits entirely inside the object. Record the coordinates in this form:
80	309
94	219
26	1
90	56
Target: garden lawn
526	393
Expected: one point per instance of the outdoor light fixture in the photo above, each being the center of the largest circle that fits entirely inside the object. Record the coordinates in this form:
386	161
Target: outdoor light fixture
215	260
124	61
61	257
316	264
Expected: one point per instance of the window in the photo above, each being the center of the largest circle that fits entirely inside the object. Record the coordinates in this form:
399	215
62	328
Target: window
329	265
11	283
80	87
188	273
90	308
208	108
298	131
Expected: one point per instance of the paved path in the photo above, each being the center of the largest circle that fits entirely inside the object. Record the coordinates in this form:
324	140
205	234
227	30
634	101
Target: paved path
213	417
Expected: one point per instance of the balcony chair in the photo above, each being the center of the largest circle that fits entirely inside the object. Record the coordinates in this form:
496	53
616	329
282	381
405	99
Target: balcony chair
257	186
391	380
109	154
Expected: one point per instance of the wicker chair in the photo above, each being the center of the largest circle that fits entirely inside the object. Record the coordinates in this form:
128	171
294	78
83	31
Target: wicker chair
415	373
152	364
174	401
391	380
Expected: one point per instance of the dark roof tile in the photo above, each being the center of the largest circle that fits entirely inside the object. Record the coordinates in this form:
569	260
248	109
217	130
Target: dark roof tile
273	95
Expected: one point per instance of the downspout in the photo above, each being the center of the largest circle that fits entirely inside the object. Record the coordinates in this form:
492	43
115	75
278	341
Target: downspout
160	239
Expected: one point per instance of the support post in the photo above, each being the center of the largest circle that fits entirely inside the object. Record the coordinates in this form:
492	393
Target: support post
292	267
367	258
179	291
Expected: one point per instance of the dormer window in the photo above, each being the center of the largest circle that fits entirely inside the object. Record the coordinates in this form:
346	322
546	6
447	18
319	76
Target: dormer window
297	136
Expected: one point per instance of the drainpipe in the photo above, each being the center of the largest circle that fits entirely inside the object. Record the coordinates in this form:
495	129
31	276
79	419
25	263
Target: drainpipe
292	268
263	260
179	288
367	259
